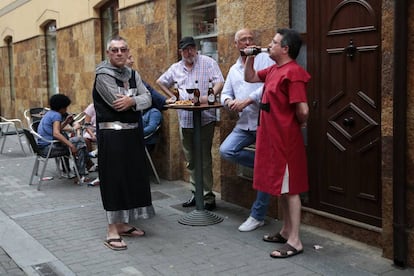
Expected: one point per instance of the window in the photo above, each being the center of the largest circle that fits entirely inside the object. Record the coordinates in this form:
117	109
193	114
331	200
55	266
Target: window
9	43
109	23
52	72
199	20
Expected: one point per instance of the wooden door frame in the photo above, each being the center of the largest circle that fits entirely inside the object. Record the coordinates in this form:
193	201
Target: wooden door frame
313	63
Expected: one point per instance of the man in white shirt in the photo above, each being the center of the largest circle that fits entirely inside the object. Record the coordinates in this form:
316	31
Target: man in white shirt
243	97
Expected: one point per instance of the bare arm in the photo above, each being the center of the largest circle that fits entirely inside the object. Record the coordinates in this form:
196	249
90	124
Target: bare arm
239	105
88	129
250	75
165	89
218	86
302	113
59	136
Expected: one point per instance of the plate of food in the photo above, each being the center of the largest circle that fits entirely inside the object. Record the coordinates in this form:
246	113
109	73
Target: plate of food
182	103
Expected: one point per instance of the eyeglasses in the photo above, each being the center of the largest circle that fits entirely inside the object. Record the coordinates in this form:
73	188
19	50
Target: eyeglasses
189	49
116	50
246	38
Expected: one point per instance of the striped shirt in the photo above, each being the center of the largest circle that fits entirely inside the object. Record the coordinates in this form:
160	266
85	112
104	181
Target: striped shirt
204	69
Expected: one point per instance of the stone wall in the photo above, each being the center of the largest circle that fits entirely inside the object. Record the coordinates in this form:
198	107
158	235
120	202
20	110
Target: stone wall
30	77
387	125
79	51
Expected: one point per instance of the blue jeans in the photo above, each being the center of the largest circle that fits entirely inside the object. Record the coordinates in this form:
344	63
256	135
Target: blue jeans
232	147
259	207
232	150
59	149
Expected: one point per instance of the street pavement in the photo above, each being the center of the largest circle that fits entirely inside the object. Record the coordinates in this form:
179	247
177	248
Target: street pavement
60	231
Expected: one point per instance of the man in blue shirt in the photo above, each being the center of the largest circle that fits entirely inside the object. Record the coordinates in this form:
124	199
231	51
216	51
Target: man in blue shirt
243	97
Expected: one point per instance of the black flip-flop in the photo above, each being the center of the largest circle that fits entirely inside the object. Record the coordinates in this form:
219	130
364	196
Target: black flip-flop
108	244
278	238
130	231
286	251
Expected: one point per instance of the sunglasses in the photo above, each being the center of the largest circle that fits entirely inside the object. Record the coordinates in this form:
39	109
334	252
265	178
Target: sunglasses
116	50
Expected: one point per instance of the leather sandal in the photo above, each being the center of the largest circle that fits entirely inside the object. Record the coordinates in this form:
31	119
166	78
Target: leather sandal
277	238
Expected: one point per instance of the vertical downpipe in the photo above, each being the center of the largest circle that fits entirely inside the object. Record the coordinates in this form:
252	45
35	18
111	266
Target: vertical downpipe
400	133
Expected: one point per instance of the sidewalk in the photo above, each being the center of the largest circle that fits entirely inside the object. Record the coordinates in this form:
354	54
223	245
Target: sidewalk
60	231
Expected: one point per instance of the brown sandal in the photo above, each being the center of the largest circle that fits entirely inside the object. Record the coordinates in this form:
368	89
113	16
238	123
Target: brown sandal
286	251
278	238
108	243
130	232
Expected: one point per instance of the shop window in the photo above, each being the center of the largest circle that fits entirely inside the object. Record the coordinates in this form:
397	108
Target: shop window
109	23
199	20
52	73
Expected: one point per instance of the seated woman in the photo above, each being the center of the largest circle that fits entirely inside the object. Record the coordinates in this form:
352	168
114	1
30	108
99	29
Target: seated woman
151	119
89	134
51	126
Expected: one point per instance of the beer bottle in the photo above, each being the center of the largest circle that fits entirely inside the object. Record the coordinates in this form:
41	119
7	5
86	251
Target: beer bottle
176	91
253	51
211	98
196	99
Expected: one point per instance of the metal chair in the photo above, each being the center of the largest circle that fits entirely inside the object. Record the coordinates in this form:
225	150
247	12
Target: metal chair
11	127
34	114
79	119
31	136
146	138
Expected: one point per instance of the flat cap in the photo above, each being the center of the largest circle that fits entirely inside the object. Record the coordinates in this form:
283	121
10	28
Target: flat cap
185	42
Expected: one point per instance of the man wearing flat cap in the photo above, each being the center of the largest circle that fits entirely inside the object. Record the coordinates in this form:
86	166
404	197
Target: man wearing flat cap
191	68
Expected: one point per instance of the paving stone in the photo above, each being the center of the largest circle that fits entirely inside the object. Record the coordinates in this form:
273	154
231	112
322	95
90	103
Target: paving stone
68	221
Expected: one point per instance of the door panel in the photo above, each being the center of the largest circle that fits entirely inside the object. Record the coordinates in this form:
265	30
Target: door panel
344	133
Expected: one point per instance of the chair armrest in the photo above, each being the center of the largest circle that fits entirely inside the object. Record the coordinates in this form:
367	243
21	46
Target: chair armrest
36	135
17	122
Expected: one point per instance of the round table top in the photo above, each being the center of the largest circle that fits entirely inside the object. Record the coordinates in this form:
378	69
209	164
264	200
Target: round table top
202	106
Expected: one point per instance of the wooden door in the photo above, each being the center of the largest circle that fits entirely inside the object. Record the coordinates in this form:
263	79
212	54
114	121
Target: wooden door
344	59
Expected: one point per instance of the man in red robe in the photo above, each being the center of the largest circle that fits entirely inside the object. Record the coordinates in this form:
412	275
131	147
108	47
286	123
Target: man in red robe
280	162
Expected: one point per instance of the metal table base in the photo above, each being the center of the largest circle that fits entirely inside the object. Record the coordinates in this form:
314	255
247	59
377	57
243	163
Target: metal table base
199	217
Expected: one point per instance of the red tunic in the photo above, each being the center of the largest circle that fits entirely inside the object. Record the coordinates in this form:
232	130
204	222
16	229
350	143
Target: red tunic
279	140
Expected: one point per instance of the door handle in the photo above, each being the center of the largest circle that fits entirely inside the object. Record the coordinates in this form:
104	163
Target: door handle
349	122
351	50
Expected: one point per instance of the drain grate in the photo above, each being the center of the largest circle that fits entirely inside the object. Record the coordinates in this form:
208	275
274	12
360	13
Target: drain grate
45	270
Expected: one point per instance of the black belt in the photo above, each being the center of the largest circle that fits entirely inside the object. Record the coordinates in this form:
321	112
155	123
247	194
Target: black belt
117	125
265	106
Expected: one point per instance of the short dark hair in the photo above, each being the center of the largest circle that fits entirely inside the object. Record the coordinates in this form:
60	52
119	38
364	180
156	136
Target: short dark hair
291	38
59	101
